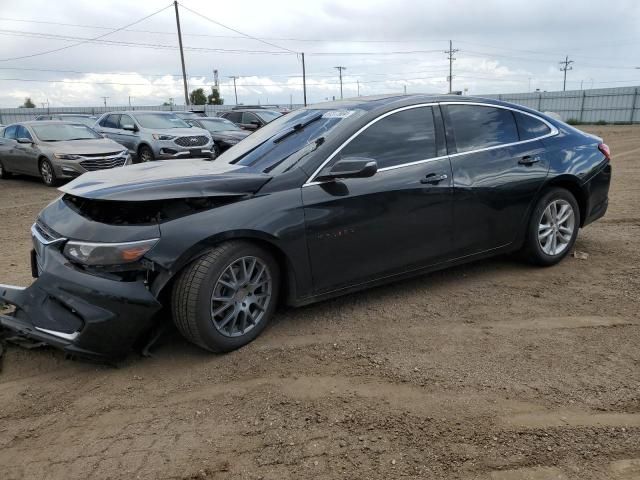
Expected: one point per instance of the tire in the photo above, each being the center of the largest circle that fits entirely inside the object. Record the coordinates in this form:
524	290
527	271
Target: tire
4	175
202	319
216	151
145	154
543	231
47	173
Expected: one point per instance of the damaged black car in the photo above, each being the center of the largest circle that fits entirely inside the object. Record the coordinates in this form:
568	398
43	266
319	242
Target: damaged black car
321	202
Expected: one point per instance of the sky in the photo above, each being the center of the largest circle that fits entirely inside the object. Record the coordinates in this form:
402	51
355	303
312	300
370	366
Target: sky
49	50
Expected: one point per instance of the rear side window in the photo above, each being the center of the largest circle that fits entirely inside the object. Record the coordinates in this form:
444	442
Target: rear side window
403	137
530	127
111	121
10	132
476	127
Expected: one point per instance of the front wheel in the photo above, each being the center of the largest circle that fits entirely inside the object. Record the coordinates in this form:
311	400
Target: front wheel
146	154
224	299
553	227
47	173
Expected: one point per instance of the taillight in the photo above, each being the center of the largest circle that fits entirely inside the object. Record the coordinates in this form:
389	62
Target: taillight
604	148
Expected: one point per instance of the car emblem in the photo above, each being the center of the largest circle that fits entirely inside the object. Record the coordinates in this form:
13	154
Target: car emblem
193	139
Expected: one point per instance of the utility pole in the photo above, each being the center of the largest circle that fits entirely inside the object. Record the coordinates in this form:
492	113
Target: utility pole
564	66
405	89
304	81
234	87
451	58
358	82
184	71
129	101
340	72
104	99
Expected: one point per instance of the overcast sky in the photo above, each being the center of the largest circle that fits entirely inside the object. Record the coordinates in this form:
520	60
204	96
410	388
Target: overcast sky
504	46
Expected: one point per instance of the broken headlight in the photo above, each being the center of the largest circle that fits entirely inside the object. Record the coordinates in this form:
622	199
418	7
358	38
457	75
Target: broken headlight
102	254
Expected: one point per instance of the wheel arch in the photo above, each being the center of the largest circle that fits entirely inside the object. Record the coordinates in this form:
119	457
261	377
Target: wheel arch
141	145
288	287
572	184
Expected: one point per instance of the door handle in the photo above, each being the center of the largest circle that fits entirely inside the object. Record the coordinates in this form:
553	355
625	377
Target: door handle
528	160
433	179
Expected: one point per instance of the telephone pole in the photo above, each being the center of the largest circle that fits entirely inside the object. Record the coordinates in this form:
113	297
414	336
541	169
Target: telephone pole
304	81
451	58
564	66
184	71
340	72
358	82
104	99
234	87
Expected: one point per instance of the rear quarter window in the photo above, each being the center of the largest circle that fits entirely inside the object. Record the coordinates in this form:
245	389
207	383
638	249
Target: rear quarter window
530	127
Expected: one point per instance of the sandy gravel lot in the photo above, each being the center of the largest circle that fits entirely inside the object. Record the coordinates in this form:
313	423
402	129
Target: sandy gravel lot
495	370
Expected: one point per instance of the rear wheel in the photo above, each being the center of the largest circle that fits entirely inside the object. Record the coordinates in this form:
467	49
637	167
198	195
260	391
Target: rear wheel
224	299
4	174
146	154
47	173
553	227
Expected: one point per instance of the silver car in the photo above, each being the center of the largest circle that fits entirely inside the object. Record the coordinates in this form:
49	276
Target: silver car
55	150
155	135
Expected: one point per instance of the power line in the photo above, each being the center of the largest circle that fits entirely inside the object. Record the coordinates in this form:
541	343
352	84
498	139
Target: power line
564	66
84	41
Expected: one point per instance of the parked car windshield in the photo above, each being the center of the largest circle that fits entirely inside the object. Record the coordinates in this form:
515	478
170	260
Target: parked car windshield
88	121
59	132
268	115
281	144
160	120
218	124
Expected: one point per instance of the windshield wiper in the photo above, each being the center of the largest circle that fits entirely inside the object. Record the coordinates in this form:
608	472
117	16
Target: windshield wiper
296	128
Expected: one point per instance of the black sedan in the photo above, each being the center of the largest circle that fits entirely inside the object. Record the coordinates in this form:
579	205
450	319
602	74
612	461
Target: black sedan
324	201
225	133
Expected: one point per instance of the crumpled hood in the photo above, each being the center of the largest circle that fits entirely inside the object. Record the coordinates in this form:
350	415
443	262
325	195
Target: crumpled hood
167	179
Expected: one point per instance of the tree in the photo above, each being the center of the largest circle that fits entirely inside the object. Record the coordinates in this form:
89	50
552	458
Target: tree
197	97
214	98
28	103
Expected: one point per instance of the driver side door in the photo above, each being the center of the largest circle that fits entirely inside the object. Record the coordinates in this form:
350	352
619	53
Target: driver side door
400	219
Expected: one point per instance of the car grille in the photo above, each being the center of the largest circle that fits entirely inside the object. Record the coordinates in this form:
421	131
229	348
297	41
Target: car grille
195	141
99	155
47	233
103	163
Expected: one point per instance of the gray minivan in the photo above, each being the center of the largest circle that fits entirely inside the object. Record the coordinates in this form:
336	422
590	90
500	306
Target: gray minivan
155	135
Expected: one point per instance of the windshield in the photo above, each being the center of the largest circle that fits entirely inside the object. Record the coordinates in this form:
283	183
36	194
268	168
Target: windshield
218	124
281	144
160	120
268	115
59	132
88	121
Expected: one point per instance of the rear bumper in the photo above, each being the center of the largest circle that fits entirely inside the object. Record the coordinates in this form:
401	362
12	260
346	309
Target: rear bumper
83	314
597	190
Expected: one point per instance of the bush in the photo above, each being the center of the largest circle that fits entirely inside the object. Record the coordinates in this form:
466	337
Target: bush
601	122
573	121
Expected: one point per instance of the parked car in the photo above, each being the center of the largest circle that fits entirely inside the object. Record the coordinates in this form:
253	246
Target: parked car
225	133
189	115
276	108
252	119
88	120
55	150
155	135
324	201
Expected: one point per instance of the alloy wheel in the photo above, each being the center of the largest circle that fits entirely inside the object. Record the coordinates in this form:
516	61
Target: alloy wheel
145	155
241	296
46	172
556	227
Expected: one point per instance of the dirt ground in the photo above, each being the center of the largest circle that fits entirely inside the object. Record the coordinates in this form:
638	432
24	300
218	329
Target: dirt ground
495	370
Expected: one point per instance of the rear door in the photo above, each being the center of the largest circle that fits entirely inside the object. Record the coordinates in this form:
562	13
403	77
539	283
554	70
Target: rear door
497	171
360	229
110	126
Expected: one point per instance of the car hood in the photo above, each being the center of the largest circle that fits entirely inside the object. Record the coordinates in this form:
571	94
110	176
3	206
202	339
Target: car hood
167	179
80	147
230	135
180	132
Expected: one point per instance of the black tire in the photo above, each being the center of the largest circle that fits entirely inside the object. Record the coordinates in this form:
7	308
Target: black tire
47	173
533	250
215	151
145	154
4	175
192	296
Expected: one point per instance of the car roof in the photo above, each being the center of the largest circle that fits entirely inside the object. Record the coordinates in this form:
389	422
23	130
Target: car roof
257	110
46	122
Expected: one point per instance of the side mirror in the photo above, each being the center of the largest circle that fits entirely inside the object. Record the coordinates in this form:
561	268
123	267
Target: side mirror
256	124
24	140
130	127
351	167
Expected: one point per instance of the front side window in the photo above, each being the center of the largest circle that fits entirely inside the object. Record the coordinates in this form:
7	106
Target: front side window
60	132
248	117
126	120
234	117
403	137
268	115
22	132
530	127
160	120
10	131
476	126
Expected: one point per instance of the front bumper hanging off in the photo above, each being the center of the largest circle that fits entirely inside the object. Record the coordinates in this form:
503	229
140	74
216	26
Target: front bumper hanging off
84	314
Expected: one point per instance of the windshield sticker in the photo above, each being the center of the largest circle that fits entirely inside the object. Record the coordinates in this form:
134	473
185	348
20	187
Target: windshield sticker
338	114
